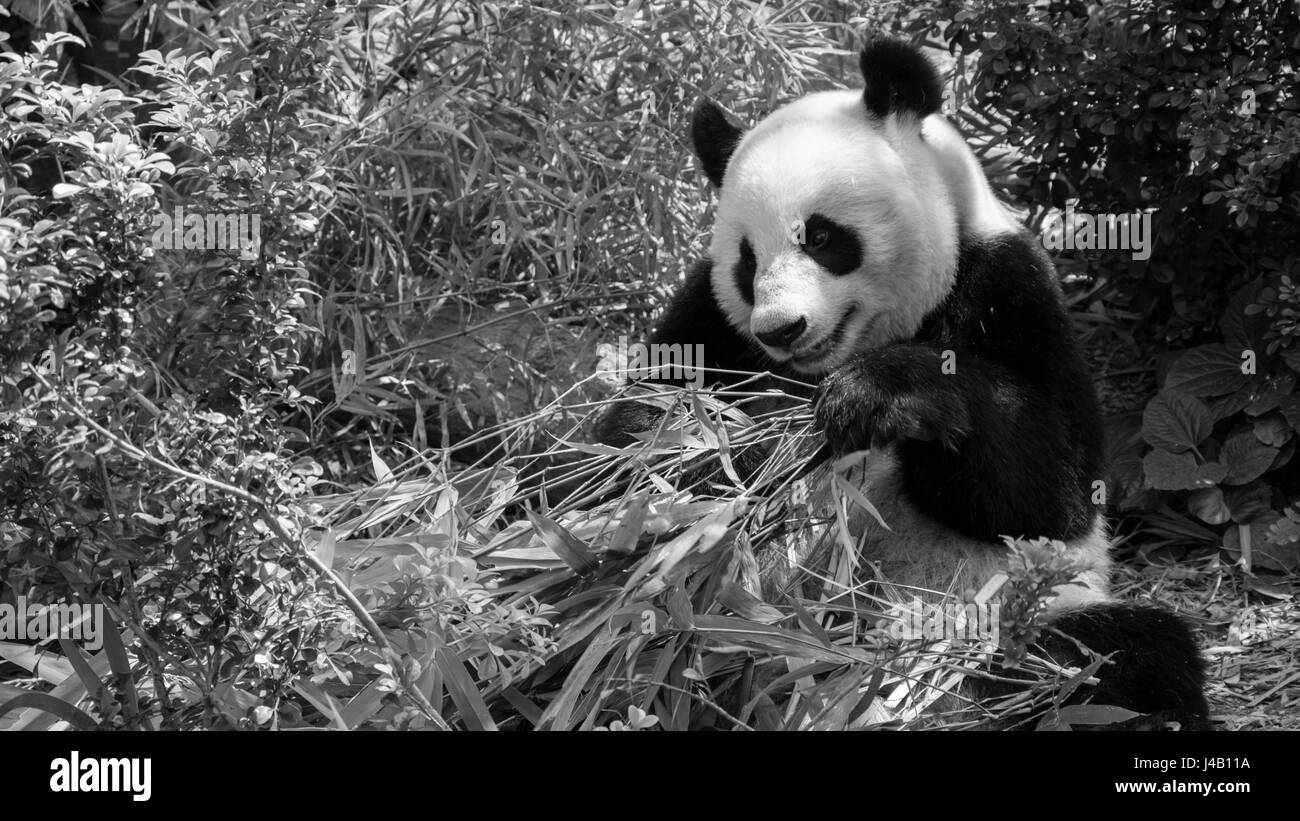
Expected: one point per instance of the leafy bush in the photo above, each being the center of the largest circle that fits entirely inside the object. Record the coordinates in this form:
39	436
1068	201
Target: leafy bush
1191	111
293	471
153	458
174	417
1224	427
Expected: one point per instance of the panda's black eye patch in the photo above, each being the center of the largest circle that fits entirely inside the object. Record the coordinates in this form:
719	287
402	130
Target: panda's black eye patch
744	271
831	245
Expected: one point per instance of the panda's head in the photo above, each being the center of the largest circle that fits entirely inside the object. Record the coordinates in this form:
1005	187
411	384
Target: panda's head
837	226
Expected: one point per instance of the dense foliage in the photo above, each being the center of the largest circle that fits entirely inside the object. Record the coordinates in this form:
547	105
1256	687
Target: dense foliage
254	456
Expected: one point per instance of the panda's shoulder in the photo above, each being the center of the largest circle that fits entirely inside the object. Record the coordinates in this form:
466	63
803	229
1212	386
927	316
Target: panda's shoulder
1007	273
1004	263
1006	295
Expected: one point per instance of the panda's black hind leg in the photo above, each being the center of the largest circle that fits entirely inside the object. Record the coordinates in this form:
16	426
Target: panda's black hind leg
1155	668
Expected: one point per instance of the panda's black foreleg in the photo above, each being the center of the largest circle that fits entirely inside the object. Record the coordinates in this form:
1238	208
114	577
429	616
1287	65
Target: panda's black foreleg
983	449
890	394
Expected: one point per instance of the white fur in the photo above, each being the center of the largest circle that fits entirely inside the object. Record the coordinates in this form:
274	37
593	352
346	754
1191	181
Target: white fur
979	213
918	552
906	196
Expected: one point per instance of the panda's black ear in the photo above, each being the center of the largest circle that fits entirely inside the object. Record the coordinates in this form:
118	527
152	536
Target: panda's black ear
900	80
715	138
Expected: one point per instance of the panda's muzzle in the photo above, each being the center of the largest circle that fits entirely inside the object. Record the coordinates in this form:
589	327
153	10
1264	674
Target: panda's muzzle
785	336
807	355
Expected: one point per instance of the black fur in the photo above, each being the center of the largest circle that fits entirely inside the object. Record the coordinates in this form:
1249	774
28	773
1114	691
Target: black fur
694	316
1008	444
841	253
1155	668
899	78
714	138
745	268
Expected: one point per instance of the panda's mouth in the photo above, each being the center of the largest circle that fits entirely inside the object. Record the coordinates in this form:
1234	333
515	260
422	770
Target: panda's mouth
808	357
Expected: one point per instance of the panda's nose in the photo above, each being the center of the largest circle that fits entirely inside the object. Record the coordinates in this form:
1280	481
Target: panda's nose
784	336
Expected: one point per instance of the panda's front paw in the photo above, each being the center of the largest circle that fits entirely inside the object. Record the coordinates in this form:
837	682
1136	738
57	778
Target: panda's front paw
858	412
617	424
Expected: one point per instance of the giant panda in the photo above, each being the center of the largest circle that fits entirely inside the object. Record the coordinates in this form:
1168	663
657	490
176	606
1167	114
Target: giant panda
857	245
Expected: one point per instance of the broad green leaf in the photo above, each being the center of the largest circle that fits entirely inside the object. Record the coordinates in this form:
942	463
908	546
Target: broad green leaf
1210	370
1246	458
1175	422
1242	331
1270	396
1221	407
1290	408
1272	430
1179	471
1209	506
1249	502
